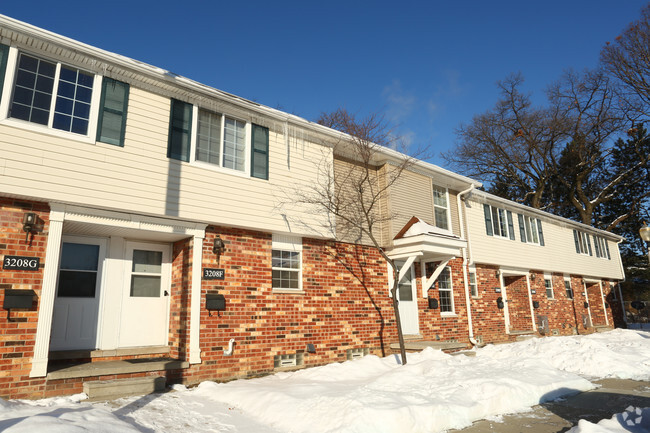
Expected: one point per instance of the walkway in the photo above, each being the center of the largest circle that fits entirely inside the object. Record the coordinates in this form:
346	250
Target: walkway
614	396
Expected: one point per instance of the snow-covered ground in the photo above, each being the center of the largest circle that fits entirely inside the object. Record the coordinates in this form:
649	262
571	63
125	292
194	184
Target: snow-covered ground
432	393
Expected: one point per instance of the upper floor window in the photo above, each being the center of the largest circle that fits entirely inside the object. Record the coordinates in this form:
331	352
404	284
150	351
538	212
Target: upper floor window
530	230
601	247
39	82
582	243
62	97
440	208
498	222
218	140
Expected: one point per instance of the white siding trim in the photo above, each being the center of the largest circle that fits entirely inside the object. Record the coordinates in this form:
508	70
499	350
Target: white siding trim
46	307
195	302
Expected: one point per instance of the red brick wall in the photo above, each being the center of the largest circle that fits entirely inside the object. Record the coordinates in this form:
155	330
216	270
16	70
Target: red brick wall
18	334
488	320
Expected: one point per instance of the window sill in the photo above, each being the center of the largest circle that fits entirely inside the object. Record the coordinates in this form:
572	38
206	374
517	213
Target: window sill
42	129
448	315
289	291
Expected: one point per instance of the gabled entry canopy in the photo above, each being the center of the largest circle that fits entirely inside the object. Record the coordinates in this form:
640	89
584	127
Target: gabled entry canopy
430	243
421	241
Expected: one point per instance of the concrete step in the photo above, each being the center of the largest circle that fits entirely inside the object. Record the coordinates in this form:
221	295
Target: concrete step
423	344
603	328
109	368
112	389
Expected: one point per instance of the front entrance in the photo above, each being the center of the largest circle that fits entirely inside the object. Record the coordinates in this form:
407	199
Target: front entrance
75	319
408	305
145	296
518	303
111	294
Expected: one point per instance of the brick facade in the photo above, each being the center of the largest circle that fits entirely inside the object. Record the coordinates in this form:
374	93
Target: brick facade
343	304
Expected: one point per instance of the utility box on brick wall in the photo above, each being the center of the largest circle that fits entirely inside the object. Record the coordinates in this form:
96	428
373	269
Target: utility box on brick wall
18	299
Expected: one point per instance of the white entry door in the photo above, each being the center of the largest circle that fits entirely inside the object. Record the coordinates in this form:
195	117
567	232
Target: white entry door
145	300
75	319
408	305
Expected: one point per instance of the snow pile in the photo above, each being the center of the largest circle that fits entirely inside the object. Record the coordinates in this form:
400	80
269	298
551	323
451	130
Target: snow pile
620	353
432	393
633	420
59	415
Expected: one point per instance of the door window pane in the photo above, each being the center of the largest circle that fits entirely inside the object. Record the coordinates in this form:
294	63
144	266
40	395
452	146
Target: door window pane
78	270
144	286
146	272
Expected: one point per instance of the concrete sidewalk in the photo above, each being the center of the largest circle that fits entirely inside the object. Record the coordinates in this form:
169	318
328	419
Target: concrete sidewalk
613	396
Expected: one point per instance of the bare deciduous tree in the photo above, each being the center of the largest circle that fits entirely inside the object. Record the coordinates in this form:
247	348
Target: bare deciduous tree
628	59
353	184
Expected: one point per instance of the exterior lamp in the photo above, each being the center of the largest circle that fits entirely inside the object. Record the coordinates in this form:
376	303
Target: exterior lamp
29	221
218	247
644	232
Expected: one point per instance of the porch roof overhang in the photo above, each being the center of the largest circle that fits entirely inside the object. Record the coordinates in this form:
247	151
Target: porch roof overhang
95	222
428	242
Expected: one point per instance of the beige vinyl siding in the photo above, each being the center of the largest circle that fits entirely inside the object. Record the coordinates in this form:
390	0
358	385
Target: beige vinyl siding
411	195
387	223
345	169
453	212
557	255
140	178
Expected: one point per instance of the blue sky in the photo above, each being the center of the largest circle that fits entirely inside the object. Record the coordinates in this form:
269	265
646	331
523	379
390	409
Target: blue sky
430	65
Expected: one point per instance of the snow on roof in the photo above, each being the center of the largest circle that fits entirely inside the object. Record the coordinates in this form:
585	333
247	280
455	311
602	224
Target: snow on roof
415	226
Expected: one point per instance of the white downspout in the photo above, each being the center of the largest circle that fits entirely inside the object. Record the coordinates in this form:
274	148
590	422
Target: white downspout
465	262
618	284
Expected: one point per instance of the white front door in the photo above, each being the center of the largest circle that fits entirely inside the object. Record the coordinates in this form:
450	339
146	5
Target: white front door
145	298
75	319
408	305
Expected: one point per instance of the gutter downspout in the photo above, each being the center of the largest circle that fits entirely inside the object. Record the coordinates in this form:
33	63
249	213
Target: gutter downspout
465	262
620	292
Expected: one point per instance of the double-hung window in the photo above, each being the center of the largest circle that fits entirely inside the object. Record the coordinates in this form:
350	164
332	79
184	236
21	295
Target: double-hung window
548	284
445	291
582	242
286	263
440	208
568	289
498	222
217	140
530	230
601	247
473	286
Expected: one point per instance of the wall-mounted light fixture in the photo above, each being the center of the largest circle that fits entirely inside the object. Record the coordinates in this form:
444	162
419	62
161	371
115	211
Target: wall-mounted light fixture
497	273
218	247
533	276
29	222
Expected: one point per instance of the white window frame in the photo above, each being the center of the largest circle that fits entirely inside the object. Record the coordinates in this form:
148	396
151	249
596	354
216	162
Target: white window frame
600	247
8	94
436	206
292	244
219	167
450	289
497	213
473	287
583	243
532	230
568	280
548	277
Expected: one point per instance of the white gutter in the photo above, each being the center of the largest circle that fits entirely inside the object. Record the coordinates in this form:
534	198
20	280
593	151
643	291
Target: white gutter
465	262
